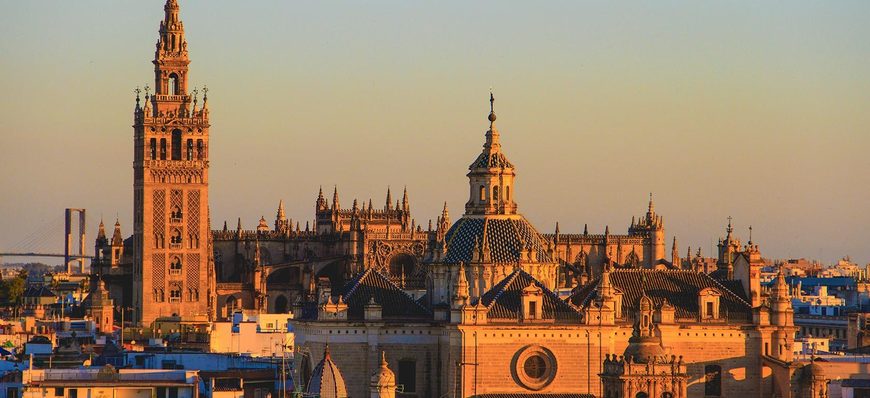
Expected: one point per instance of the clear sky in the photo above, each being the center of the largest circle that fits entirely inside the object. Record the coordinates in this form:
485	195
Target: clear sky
757	110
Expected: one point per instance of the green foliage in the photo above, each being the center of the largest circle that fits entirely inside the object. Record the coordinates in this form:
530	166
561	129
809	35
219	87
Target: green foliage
12	289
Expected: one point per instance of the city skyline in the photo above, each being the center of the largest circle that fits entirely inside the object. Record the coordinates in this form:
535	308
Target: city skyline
800	186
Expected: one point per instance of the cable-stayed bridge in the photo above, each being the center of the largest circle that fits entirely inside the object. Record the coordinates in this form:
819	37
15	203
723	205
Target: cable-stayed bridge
43	241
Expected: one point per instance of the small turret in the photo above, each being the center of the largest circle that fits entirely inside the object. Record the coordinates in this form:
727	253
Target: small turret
320	203
117	239
281	223
383	381
406	206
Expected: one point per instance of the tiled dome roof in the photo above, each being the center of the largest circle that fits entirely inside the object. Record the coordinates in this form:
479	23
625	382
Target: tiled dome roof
504	237
491	160
326	380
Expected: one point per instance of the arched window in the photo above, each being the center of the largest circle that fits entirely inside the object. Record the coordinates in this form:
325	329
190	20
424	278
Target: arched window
176	144
507	193
173	82
641	395
712	380
175	266
189	153
174	294
153	148
482	193
163	149
199	150
175	239
495	193
667	394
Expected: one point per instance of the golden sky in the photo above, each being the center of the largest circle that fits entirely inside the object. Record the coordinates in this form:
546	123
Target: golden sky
757	110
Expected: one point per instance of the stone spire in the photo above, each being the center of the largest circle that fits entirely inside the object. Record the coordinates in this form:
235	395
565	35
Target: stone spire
101	234
405	204
335	205
675	255
460	296
389	204
117	239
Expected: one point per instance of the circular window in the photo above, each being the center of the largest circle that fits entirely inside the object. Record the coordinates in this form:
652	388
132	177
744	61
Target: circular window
534	367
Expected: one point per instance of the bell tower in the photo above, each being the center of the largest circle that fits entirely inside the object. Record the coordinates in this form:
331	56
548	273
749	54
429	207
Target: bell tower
172	238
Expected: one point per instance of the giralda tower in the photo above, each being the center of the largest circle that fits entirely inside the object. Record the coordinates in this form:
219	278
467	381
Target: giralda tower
172	238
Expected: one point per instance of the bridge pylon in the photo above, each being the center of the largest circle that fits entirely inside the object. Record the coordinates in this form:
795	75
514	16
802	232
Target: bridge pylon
69	259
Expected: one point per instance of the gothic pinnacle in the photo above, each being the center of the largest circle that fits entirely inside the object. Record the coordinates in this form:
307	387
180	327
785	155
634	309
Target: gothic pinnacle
389	205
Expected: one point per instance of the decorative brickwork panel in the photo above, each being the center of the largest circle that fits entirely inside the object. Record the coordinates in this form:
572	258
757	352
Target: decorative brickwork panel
193	217
192	273
158	271
176	201
159	211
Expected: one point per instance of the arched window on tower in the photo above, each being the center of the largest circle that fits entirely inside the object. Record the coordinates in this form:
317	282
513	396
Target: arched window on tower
507	193
482	193
495	193
199	150
175	266
173	84
163	149
153	148
189	153
176	144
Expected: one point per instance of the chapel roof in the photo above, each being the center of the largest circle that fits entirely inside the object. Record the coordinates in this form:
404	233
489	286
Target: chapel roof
373	286
679	287
504	300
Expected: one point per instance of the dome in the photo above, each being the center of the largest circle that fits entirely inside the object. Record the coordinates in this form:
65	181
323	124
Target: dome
326	379
506	237
643	349
383	377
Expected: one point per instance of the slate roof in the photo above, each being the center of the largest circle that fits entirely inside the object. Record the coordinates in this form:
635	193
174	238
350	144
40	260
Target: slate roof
505	237
373	285
504	300
38	291
679	287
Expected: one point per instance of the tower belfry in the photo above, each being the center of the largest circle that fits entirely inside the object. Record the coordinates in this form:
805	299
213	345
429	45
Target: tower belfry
172	238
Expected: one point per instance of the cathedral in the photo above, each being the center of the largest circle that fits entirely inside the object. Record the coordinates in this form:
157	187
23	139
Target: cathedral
482	306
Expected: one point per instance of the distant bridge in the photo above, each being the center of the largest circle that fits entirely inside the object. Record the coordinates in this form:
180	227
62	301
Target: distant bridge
42	242
72	256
